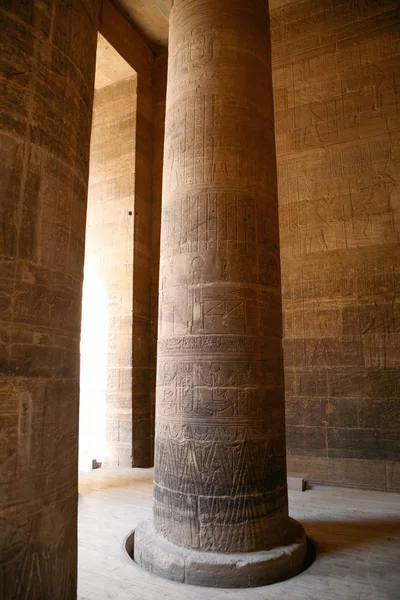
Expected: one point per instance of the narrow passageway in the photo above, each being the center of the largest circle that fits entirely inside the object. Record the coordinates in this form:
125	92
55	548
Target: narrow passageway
105	424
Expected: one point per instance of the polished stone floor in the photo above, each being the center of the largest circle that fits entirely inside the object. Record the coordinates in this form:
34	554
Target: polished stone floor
356	533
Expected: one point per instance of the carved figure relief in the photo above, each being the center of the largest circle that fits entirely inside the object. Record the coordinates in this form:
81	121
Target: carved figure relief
197	49
337	121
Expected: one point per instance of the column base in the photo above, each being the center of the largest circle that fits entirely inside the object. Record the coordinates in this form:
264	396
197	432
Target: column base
212	569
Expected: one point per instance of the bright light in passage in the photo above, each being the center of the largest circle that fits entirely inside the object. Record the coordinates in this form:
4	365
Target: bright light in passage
93	377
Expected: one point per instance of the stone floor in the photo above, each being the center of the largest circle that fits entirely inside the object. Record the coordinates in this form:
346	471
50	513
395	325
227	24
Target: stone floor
356	533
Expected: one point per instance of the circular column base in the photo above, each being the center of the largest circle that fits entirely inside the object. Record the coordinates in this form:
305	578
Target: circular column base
213	569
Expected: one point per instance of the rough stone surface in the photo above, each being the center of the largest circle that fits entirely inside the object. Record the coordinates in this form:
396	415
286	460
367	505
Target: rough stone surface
110	66
336	88
159	99
47	60
142	367
220	477
106	378
147	193
212	569
150	19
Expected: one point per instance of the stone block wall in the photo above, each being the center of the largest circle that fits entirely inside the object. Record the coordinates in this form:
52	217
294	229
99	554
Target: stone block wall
109	263
142	368
336	71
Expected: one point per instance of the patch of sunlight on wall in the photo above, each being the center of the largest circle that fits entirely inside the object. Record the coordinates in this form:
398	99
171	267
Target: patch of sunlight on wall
93	378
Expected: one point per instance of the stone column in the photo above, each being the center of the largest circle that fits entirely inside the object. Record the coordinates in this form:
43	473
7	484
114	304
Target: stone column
47	56
220	494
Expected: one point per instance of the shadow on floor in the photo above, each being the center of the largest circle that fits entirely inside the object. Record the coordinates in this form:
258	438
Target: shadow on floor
332	536
114	477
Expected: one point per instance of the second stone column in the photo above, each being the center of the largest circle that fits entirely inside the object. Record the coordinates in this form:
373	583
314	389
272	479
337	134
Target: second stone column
220	494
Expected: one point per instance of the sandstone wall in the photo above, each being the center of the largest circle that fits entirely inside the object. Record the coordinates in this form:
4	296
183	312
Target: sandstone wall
109	264
337	103
142	366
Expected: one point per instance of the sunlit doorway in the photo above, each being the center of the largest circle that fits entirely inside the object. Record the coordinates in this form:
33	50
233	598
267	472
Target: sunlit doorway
105	433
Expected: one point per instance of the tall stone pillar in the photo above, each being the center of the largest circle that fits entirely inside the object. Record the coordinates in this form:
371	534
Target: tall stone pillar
47	60
220	494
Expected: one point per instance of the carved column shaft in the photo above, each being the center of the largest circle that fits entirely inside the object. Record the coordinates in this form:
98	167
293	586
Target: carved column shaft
220	471
220	481
47	56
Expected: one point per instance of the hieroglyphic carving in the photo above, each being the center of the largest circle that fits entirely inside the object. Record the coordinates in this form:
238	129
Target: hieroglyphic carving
44	158
200	150
221	472
337	115
199	222
357	210
219	378
196	49
374	211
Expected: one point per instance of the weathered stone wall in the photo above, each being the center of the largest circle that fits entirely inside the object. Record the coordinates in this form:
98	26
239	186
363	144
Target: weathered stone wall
142	366
337	103
47	62
109	262
131	47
